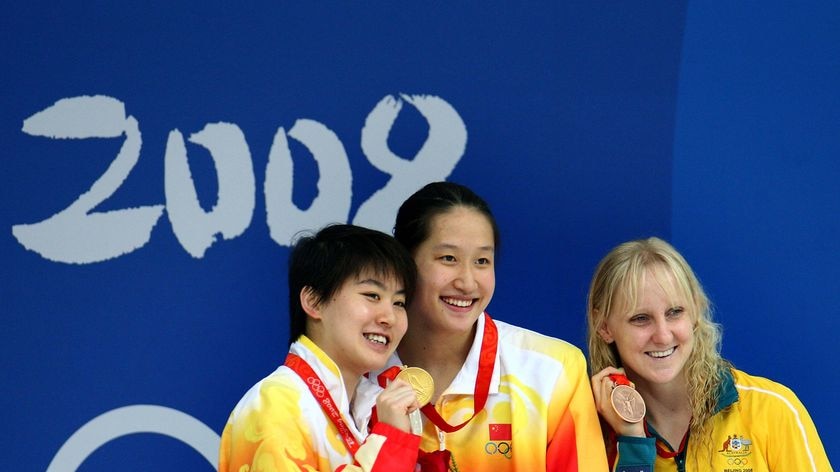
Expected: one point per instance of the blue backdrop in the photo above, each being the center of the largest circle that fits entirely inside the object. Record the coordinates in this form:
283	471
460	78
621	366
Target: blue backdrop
157	159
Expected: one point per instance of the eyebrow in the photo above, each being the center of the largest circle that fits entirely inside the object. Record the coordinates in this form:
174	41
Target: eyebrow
453	246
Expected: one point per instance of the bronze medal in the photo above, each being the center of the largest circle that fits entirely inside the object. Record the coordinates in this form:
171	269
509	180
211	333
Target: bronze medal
628	403
421	381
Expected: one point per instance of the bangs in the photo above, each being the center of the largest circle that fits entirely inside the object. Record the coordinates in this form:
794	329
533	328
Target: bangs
677	289
382	271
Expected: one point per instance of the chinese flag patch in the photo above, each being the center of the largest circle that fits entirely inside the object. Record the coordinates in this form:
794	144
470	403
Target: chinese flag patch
500	432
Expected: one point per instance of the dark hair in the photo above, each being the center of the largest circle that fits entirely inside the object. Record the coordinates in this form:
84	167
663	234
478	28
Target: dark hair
416	213
336	253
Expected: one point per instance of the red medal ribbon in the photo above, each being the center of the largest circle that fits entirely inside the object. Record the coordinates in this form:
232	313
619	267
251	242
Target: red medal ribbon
486	363
436	461
664	453
620	379
388	374
320	392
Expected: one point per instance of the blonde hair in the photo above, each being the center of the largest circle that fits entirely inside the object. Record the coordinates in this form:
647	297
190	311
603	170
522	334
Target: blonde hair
615	287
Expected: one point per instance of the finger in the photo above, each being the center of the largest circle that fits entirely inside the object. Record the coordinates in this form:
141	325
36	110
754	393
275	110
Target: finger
605	383
400	397
605	373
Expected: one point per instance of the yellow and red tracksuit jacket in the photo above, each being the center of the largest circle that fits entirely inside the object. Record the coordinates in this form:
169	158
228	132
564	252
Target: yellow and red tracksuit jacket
279	426
539	416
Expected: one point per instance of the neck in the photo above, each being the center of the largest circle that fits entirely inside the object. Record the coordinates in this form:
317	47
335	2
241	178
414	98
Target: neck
668	409
425	347
351	380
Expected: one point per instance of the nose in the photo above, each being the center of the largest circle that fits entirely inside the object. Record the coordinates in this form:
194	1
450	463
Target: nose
387	315
662	332
465	281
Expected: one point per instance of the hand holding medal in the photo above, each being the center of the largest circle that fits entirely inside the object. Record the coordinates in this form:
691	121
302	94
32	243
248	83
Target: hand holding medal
625	400
424	386
618	402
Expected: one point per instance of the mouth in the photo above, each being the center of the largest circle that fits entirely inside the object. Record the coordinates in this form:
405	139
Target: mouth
661	354
459	302
377	338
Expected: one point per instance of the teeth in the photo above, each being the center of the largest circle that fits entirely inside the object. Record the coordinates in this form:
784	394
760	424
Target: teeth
377	338
456	302
661	353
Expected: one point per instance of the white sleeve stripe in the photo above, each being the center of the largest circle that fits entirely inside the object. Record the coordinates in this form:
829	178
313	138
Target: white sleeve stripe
369	452
795	414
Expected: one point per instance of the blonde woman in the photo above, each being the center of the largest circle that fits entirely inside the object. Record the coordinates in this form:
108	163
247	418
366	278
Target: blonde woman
650	329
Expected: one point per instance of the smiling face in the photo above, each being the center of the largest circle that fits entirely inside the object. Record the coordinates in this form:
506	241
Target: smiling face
361	325
456	272
655	338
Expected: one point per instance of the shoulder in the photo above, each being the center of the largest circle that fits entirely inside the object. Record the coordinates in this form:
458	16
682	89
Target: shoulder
745	382
260	425
760	393
279	390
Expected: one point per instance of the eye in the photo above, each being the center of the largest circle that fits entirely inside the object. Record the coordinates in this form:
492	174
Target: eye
448	258
400	303
372	295
483	261
639	319
676	311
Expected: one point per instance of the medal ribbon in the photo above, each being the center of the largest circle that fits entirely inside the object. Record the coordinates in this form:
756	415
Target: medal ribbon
322	395
620	379
664	453
486	363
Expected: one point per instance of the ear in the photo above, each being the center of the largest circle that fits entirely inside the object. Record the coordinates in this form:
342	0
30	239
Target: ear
309	303
604	332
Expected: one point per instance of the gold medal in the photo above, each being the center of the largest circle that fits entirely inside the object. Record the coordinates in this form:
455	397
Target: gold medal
424	386
628	403
421	381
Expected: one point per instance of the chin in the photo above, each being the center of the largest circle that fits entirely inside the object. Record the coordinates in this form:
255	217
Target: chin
663	378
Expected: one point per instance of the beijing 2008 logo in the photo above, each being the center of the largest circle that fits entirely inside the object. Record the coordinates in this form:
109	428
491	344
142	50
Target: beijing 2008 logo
736	449
500	440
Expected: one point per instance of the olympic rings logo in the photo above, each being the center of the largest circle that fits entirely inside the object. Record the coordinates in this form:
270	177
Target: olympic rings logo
503	448
317	387
737	461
